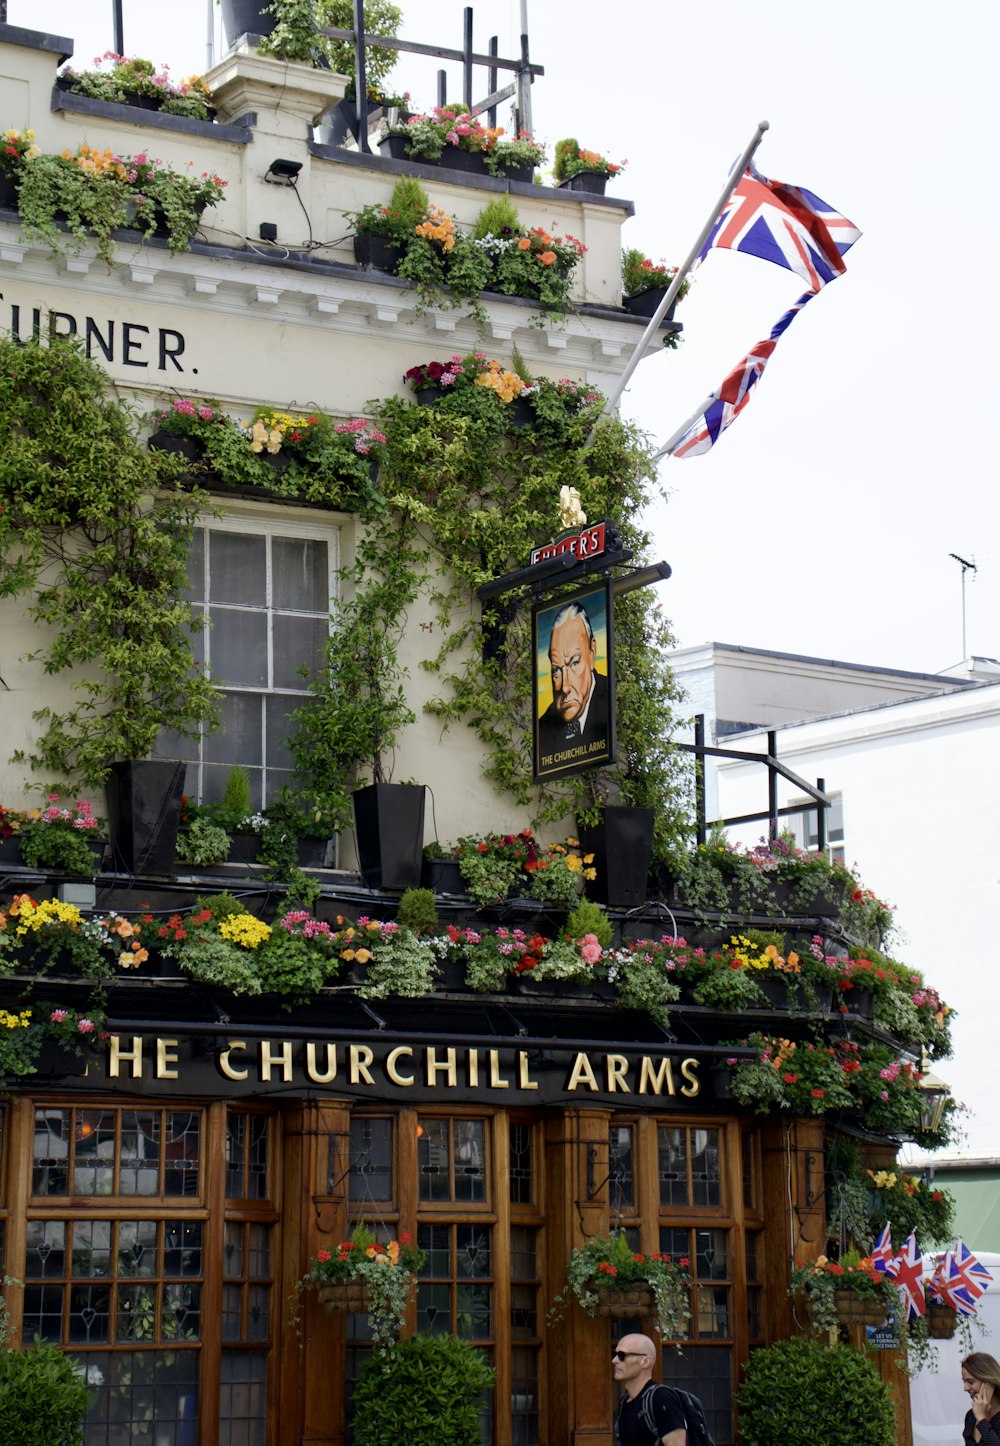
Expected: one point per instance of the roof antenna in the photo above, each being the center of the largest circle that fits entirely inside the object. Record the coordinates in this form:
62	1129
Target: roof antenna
966	566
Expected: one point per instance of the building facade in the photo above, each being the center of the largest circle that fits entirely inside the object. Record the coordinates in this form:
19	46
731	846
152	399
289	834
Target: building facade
161	1198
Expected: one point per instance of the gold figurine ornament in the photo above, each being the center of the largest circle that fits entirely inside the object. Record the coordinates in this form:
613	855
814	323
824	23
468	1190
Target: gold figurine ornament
571	514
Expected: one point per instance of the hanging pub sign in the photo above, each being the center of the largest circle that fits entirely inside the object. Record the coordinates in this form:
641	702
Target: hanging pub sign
573	682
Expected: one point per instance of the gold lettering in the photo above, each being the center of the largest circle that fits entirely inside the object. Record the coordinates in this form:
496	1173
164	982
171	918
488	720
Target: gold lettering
617	1068
689	1069
390	1065
582	1070
131	1056
652	1078
524	1080
473	1061
226	1068
317	1075
361	1057
496	1083
166	1055
281	1057
446	1066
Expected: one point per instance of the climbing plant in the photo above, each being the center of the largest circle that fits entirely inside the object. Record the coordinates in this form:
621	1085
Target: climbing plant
93	527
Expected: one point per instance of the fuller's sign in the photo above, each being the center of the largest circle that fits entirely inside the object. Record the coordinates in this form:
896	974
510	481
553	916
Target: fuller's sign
589	542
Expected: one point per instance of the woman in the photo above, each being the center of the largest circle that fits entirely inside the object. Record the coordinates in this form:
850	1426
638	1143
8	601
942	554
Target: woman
981	1382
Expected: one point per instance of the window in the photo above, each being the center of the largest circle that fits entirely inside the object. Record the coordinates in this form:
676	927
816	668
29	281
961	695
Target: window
120	1248
805	830
263	589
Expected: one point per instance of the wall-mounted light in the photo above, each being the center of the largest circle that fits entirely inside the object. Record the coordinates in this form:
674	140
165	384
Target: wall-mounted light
283	173
84	896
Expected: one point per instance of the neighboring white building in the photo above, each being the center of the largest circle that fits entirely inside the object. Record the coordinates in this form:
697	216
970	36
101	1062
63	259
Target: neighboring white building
916	788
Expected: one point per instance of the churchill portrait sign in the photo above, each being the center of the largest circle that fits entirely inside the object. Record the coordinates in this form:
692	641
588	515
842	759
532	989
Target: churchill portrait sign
573	683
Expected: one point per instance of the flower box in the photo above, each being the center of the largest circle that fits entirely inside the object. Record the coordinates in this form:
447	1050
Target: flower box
394	148
591	182
190	447
854	1310
644	303
444	876
454	158
376	253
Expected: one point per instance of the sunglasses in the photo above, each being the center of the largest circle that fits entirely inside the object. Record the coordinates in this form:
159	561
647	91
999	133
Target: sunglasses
624	1355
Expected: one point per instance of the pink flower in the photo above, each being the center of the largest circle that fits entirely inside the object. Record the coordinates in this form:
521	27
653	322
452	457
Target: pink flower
57	1016
86	1026
590	949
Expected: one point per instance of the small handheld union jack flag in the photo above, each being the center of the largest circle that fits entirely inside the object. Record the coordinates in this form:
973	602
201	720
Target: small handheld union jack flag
963	1279
908	1274
882	1254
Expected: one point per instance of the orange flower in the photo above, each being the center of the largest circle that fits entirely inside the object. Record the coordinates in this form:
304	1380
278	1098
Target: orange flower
547	258
524	244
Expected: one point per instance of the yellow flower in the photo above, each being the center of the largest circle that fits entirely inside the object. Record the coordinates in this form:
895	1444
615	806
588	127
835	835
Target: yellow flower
245	930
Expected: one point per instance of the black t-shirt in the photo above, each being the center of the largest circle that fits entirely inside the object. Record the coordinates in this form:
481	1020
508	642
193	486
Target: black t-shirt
989	1430
666	1413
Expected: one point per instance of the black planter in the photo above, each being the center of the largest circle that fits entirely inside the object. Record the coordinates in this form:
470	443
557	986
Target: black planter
592	182
10	852
389	819
244	848
190	447
144	809
453	158
644	303
245	17
524	172
720	1078
312	853
427	396
8	192
342	122
622	845
779	994
443	876
376	253
395	148
451	976
860	1002
520	414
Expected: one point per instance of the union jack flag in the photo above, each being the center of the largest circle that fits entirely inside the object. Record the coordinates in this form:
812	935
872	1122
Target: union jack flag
962	1279
725	405
793	228
882	1254
907	1271
785	224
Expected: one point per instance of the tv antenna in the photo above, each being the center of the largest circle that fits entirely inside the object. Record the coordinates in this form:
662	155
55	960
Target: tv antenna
966	566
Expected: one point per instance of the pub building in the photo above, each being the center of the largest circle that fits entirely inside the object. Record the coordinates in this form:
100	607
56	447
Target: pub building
163	1191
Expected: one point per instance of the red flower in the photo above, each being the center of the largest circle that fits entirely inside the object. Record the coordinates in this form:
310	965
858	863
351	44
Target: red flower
790	1078
322	1256
817	1094
608	1269
685	1261
405	1238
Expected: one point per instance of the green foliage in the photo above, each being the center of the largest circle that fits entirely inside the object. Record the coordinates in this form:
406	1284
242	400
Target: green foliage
43	1399
381	18
357	703
202	843
295	35
497	216
589	918
418	911
236	794
85	528
49	846
427	1391
801	1393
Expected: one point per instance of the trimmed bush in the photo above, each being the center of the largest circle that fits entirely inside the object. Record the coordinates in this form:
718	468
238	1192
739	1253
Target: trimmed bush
427	1392
801	1393
42	1399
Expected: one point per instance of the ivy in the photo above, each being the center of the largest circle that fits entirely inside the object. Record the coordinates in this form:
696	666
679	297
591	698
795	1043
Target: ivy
87	527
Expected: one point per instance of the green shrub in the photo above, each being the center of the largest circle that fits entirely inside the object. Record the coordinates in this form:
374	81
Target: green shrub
42	1399
497	216
236	797
428	1392
801	1393
418	911
589	918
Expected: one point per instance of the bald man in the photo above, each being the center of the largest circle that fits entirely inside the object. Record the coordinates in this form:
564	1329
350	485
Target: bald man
632	1367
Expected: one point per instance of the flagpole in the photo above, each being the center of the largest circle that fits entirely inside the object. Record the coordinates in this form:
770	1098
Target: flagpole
654	322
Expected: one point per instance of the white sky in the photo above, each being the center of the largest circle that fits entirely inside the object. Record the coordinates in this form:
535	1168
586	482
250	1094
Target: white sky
822	521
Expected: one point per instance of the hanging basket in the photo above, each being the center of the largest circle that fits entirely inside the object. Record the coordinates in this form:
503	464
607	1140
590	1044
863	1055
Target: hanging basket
345	1297
942	1322
854	1310
637	1300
